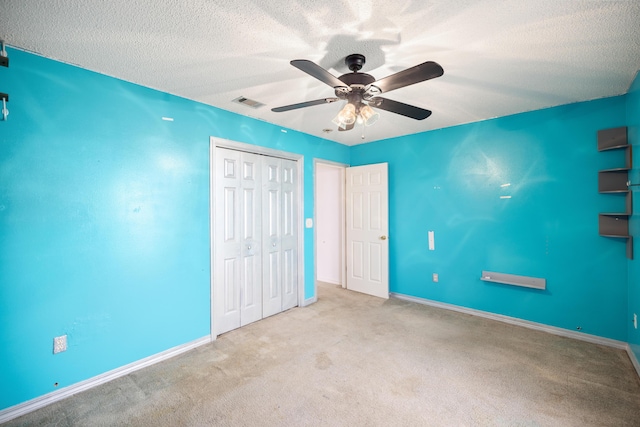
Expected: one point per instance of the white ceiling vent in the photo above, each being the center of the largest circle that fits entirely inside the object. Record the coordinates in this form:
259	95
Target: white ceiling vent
248	102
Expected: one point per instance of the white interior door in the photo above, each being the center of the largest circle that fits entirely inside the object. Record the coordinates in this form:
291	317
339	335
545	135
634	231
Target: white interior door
228	242
251	249
280	219
272	236
367	228
237	276
289	240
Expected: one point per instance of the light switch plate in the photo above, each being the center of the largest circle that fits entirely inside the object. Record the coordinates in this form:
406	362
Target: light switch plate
432	241
309	223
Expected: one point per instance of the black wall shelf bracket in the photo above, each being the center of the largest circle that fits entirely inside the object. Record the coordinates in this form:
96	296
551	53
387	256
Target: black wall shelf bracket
4	59
5	99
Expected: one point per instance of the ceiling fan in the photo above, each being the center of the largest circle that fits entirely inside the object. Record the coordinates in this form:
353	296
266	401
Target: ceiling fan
361	91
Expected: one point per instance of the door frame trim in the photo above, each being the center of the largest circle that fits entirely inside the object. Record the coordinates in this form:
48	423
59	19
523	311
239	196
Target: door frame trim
343	260
215	142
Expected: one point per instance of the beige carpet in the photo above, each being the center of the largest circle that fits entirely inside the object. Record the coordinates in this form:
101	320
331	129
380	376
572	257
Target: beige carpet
355	360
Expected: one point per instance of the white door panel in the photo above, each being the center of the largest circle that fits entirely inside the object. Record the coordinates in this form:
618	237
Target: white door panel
251	290
228	248
289	240
271	215
239	282
367	230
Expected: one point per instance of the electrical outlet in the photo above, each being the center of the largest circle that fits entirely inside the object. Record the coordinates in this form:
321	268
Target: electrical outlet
59	344
435	277
635	321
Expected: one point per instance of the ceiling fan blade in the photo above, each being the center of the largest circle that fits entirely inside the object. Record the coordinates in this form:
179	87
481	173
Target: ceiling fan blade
318	72
399	108
348	127
304	104
419	73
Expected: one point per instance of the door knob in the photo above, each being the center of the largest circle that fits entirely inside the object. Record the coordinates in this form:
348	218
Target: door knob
383	237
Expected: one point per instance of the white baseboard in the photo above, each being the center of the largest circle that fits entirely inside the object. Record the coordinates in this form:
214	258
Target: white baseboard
63	393
634	359
528	324
310	301
519	322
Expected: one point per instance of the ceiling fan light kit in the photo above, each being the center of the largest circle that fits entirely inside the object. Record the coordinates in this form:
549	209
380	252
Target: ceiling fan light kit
361	91
361	114
369	115
346	116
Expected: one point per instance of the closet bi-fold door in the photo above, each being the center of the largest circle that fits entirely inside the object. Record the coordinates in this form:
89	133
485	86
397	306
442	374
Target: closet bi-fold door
271	236
279	224
237	275
289	241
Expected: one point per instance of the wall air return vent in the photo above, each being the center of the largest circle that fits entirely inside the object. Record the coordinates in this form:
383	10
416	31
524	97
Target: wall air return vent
248	102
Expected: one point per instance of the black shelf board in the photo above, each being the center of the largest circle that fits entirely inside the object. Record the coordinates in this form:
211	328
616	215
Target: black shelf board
612	139
617	236
613	191
615	170
615	214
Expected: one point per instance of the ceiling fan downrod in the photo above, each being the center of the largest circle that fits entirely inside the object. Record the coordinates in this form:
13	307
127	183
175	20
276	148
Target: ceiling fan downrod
354	62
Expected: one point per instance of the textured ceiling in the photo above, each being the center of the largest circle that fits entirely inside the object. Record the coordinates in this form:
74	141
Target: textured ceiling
500	56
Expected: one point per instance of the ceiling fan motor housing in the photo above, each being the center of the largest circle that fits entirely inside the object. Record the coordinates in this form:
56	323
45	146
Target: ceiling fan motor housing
357	82
357	79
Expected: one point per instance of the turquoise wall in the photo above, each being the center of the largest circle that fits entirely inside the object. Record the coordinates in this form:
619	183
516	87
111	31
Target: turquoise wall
104	220
633	122
451	181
